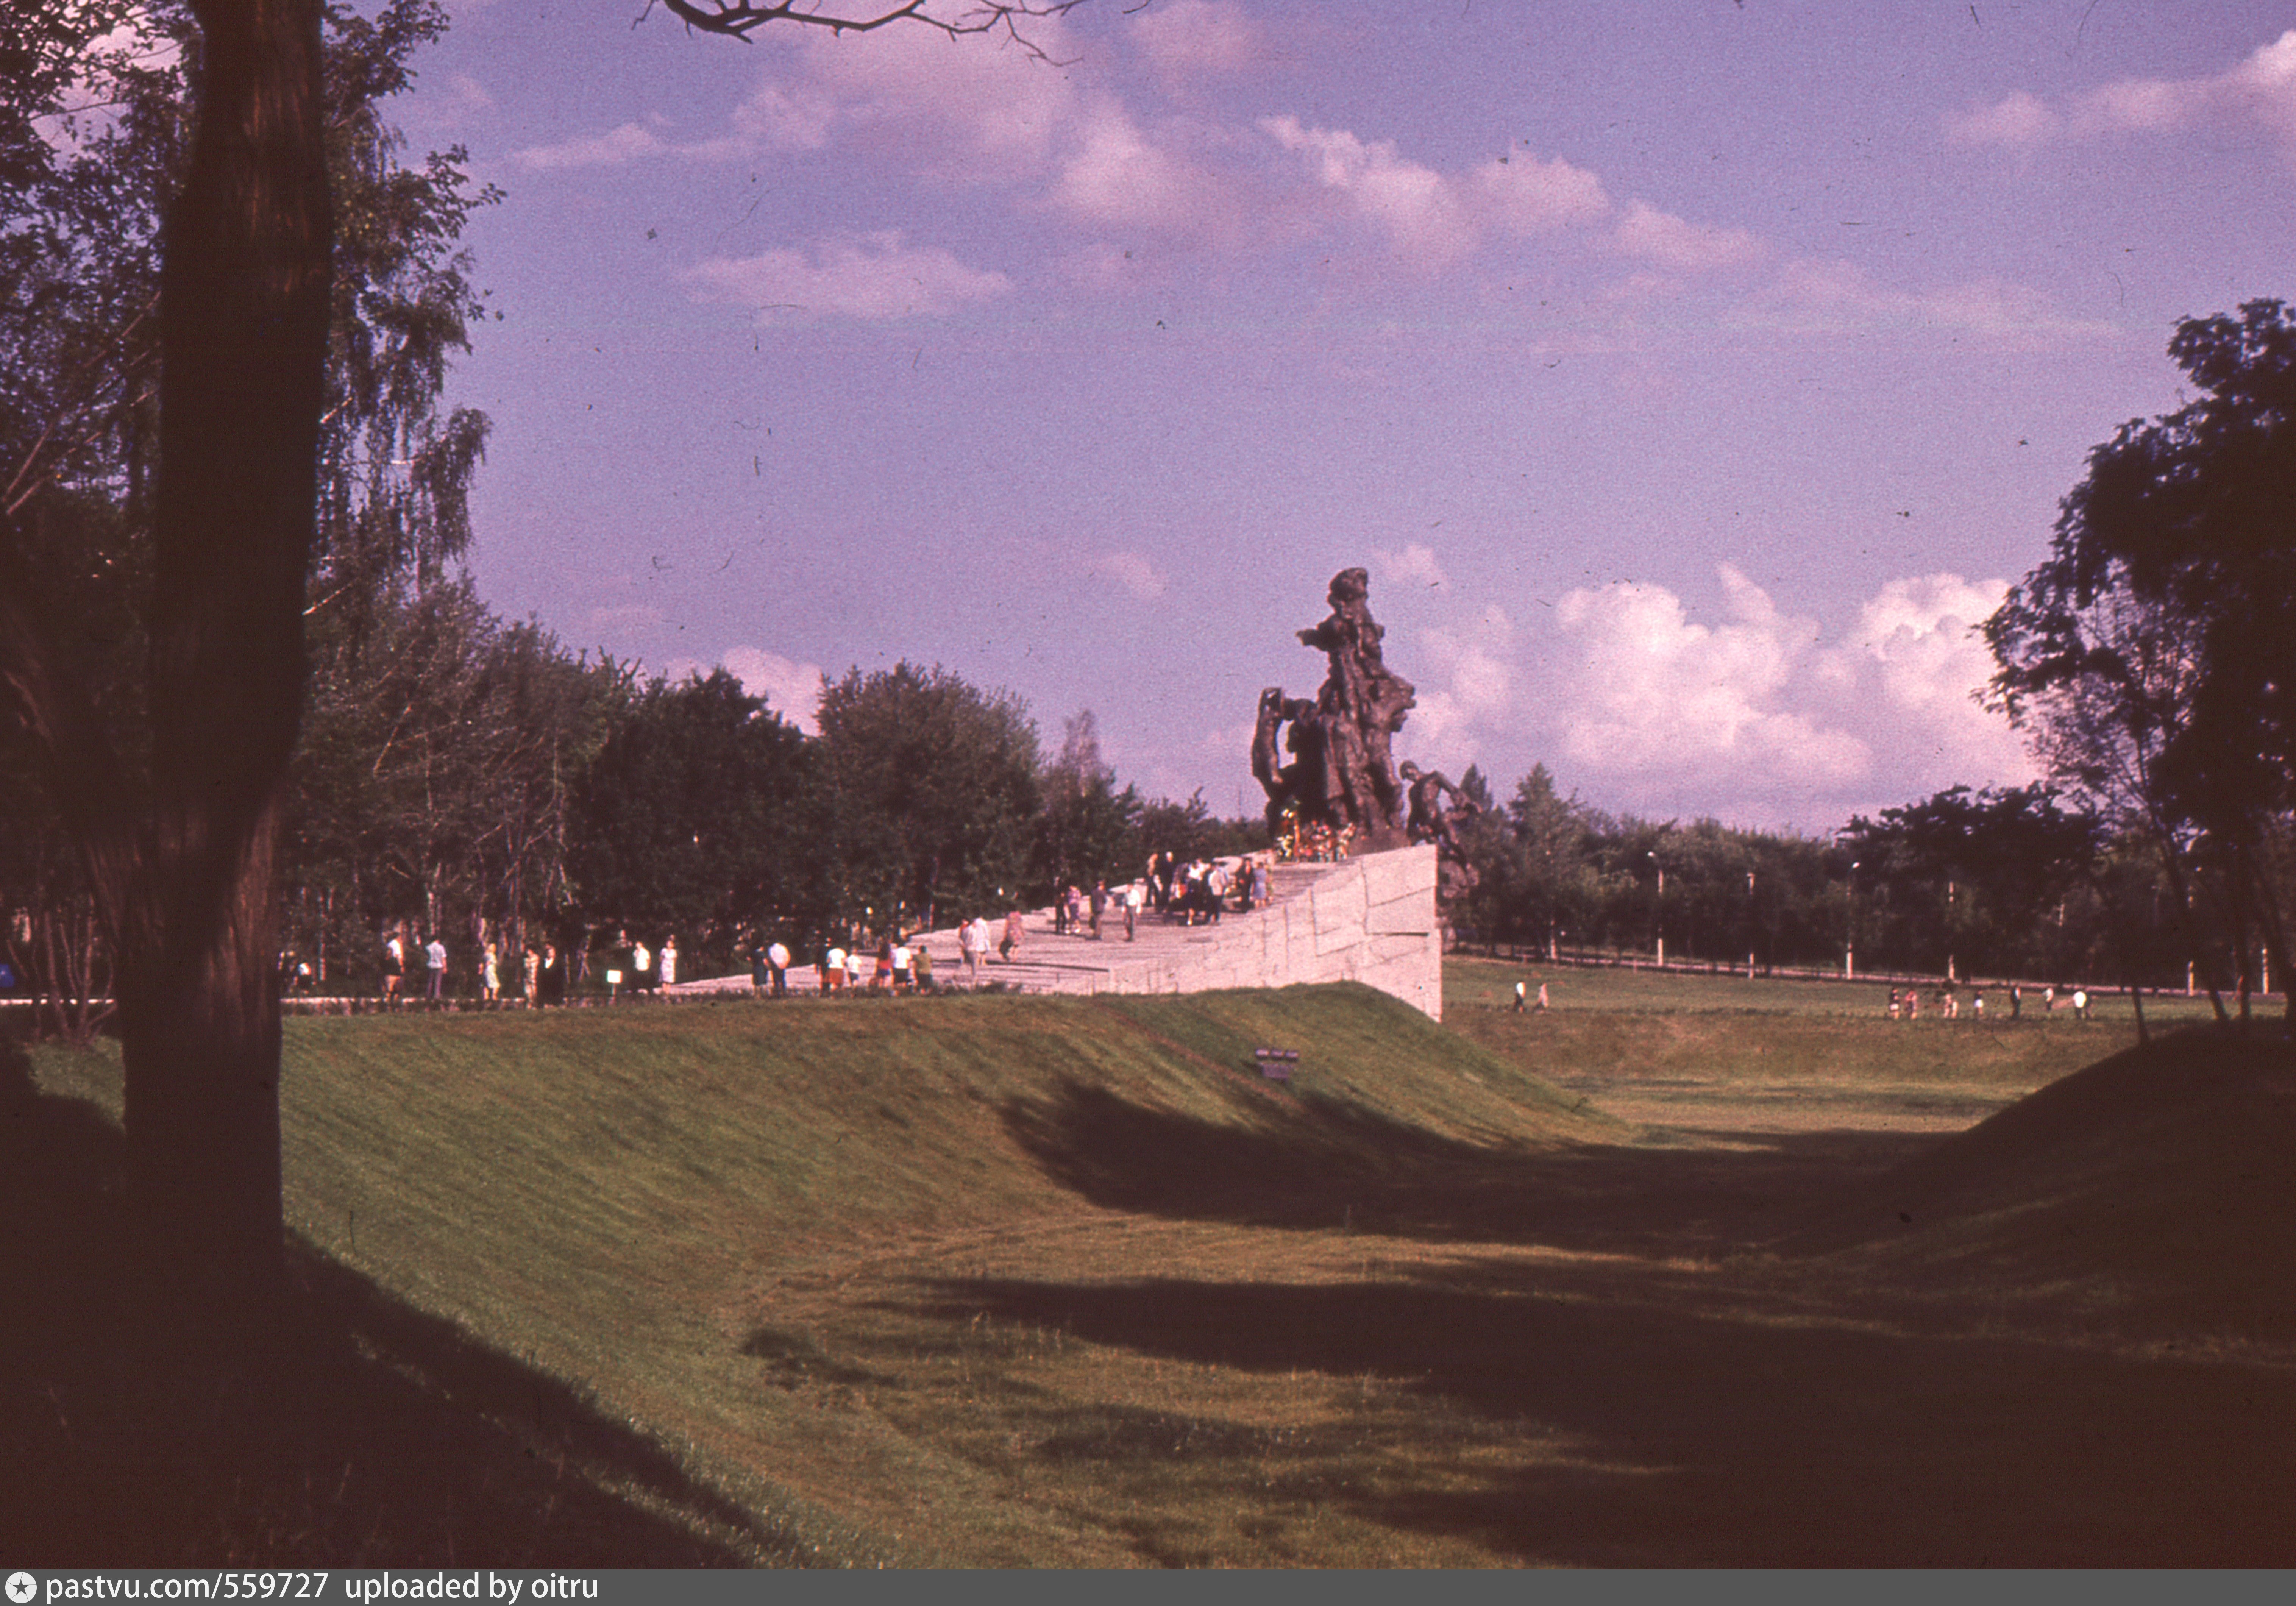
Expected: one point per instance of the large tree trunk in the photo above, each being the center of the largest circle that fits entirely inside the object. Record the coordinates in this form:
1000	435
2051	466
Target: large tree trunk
244	306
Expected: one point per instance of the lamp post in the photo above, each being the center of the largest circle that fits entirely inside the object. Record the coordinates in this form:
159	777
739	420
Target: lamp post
1662	907
1850	937
1750	925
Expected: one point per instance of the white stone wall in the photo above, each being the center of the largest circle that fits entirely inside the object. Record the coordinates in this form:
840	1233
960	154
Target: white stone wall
1370	918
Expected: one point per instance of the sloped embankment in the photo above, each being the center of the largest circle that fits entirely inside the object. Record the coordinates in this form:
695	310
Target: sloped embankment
609	1194
2159	1182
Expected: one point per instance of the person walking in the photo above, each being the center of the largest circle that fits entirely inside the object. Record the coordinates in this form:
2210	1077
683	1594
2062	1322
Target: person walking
1013	930
1099	907
668	961
970	937
1135	898
778	961
1521	995
394	969
490	976
533	975
435	977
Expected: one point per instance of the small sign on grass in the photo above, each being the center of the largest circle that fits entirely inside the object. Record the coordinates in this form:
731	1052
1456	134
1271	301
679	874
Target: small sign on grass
1277	1064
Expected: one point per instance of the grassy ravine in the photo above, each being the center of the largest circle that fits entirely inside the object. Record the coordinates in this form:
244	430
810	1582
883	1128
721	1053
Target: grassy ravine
1006	1281
605	1197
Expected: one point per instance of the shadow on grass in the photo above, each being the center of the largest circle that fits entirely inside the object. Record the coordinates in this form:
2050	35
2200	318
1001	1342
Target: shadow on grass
1324	1165
1609	1414
1676	1397
368	1434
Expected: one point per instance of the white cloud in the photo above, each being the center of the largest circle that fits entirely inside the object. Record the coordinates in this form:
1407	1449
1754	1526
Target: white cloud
1917	644
1757	719
1676	242
1523	195
1113	172
2261	87
790	689
1416	208
1132	572
465	94
1653	692
1808	296
2017	120
970	109
1469	697
874	276
632	142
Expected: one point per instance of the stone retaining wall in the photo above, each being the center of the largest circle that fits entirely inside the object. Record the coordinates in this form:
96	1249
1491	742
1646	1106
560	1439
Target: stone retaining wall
1370	918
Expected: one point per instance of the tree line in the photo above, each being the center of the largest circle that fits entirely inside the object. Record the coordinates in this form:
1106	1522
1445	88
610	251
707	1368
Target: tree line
1999	884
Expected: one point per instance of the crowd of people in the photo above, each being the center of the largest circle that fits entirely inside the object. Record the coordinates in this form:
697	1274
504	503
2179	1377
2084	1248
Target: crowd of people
416	968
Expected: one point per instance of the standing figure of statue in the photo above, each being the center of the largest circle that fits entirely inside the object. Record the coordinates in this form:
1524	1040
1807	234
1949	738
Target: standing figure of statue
1342	774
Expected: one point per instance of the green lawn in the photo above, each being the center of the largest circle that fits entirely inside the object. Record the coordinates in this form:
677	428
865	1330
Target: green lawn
1485	983
1022	1281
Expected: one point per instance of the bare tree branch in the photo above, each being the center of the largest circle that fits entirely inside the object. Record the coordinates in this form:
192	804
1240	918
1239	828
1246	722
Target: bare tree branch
738	19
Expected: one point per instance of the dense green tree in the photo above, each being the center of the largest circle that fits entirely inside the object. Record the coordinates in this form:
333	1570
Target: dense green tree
433	782
1965	882
2154	652
932	785
694	821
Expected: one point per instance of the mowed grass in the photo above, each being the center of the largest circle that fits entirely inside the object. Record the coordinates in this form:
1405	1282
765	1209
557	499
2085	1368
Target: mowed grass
1707	1050
1058	1281
621	1198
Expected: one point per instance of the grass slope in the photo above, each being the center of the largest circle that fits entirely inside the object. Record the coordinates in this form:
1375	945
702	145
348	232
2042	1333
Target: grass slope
1006	1281
2156	1184
606	1194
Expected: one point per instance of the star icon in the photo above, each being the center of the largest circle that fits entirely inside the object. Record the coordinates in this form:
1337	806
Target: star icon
21	1587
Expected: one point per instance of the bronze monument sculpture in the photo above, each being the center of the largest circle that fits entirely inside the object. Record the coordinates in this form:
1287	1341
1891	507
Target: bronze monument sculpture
1340	781
1339	792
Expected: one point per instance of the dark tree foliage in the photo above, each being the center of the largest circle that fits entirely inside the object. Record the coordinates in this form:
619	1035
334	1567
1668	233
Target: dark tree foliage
434	782
2154	652
1970	879
933	793
175	383
696	821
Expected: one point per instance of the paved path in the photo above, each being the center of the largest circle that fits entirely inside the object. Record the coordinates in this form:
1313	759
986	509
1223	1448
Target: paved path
1045	963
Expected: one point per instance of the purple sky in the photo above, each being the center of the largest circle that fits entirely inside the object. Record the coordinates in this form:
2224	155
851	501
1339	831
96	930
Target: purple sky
1690	376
